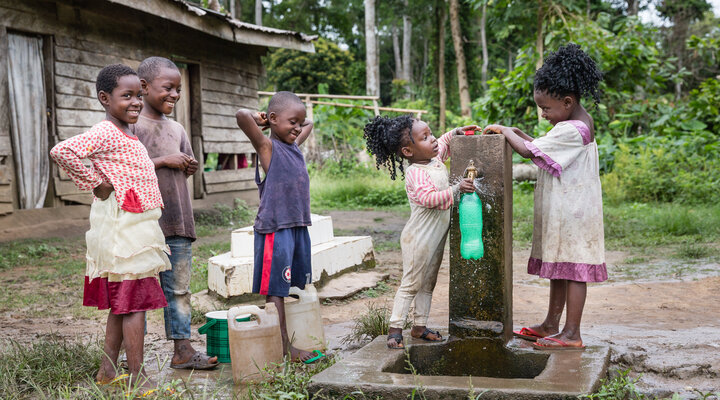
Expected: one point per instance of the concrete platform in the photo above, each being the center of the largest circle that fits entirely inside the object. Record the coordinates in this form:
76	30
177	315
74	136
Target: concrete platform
566	374
231	274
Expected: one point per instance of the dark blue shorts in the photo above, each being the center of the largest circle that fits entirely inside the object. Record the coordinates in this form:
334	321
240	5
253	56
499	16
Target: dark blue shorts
282	259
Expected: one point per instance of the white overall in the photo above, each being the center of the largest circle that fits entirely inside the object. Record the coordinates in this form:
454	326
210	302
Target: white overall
423	243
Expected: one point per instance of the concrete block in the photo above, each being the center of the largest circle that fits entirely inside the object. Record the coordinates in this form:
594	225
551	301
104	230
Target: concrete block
242	239
230	276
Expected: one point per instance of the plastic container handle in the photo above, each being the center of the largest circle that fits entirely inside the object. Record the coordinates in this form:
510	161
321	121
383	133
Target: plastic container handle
297	292
235	311
203	329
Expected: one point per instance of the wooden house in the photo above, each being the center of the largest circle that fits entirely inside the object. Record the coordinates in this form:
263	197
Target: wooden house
52	50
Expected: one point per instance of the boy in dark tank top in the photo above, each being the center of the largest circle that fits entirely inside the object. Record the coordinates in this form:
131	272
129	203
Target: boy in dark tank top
282	242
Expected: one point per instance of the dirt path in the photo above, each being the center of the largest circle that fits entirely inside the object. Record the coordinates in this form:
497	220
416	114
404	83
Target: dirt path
666	331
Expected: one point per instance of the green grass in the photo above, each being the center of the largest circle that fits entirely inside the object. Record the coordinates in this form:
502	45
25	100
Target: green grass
47	367
201	254
637	226
357	187
373	323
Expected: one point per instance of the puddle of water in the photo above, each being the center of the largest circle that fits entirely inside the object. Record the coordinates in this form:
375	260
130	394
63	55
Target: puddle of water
471	357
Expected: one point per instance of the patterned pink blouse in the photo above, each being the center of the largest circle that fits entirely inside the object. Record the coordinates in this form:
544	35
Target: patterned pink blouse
117	159
420	188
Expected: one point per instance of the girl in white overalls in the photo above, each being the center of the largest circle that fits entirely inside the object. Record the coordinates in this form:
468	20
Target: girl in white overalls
422	240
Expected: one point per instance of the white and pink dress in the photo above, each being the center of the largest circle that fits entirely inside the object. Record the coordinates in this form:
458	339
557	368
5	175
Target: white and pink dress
568	238
126	248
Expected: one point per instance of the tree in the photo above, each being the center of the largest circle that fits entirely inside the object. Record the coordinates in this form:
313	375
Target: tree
372	68
258	12
303	72
681	13
442	17
463	86
483	43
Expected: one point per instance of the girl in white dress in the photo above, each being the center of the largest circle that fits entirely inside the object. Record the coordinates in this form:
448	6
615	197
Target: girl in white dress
568	240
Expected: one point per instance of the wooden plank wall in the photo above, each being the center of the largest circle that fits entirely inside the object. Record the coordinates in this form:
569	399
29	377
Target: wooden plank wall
228	80
6	170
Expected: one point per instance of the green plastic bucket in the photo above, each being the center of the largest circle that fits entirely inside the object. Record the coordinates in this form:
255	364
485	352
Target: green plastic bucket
216	329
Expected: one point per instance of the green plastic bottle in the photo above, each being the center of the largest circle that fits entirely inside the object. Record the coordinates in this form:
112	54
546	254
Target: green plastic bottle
470	210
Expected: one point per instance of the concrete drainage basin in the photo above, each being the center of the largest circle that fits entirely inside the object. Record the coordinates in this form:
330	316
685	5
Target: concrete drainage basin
457	368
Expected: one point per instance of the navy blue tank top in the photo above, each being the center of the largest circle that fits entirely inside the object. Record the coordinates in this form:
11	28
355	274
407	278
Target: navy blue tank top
285	191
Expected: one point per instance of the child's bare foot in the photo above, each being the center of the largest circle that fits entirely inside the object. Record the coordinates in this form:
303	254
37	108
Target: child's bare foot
422	332
300	355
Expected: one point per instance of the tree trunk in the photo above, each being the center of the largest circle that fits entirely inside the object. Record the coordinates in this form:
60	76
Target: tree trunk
442	16
483	42
236	9
510	65
372	71
540	45
258	12
632	7
459	58
407	40
681	23
396	53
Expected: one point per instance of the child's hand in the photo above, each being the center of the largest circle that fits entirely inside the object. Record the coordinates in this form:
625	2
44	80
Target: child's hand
177	161
467	186
103	190
261	120
493	129
462	130
192	167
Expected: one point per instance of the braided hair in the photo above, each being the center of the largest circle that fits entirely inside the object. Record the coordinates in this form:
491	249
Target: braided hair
569	71
385	136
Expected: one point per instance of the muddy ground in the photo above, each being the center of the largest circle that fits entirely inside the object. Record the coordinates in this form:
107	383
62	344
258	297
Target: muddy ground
661	318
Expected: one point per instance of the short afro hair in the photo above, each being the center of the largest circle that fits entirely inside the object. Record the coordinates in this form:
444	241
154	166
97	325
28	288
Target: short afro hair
281	100
384	137
108	77
150	67
569	71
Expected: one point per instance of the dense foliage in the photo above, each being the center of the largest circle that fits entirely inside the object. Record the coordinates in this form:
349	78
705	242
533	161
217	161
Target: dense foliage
657	123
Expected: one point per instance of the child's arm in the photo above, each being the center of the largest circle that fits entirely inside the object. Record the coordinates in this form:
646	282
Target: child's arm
69	154
250	122
517	142
444	140
307	127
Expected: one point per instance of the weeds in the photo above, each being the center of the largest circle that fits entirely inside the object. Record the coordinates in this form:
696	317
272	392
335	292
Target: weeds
223	215
47	364
375	322
619	387
694	251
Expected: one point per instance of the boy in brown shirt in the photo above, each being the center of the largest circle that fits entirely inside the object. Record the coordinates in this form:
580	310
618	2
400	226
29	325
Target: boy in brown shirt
168	147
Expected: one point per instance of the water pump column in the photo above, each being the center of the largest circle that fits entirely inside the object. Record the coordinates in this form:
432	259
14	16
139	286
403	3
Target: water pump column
481	290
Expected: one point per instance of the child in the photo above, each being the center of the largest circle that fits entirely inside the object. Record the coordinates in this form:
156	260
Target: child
282	242
168	147
125	246
568	241
423	239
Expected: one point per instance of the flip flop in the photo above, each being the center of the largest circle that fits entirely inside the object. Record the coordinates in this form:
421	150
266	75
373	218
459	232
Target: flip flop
559	346
197	361
119	380
427	332
398	340
317	357
528	334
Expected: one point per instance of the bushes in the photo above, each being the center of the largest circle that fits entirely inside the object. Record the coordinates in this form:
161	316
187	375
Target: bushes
664	169
353	185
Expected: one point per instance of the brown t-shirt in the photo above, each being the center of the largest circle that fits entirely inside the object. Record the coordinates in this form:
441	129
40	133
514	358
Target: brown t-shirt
162	138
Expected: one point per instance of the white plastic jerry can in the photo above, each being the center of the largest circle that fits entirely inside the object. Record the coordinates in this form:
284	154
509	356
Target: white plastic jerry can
254	345
304	323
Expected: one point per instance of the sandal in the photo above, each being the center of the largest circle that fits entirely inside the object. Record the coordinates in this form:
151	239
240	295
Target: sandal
197	361
427	332
398	337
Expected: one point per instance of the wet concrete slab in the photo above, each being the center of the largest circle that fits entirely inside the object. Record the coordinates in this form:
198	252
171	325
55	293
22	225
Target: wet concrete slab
566	374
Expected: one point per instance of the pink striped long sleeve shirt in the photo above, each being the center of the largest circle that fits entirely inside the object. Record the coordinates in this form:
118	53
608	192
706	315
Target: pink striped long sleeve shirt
420	188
